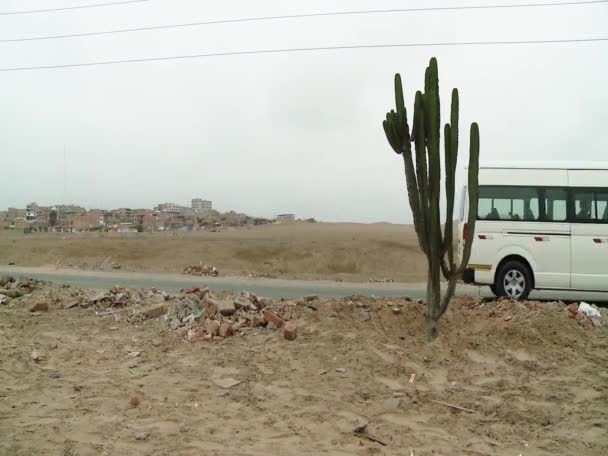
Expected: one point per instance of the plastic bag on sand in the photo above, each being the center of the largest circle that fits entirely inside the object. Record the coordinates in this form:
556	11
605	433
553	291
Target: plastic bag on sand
588	310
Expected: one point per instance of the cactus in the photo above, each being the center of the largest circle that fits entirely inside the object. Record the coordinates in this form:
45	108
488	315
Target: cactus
423	181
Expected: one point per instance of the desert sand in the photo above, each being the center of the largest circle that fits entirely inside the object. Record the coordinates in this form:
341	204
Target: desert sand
532	380
348	252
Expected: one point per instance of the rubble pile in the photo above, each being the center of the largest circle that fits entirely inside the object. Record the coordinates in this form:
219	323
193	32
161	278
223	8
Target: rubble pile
201	316
384	280
12	289
201	270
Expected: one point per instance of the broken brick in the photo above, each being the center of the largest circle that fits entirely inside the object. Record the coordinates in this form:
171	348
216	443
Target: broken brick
272	318
226	330
290	332
39	307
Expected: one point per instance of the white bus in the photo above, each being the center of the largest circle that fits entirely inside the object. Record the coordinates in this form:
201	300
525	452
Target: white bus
539	227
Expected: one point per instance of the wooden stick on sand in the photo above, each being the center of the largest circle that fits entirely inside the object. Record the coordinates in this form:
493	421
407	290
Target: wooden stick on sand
454	406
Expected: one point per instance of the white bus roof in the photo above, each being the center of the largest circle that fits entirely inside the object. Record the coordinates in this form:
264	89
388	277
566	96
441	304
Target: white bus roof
592	165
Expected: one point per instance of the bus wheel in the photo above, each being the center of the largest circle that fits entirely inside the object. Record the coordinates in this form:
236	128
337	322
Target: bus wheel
514	280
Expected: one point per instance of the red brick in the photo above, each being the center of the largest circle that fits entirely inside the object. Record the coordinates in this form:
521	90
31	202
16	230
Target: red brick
272	318
226	330
40	307
290	332
154	312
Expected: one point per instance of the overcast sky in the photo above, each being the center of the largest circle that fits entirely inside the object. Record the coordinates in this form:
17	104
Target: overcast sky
297	132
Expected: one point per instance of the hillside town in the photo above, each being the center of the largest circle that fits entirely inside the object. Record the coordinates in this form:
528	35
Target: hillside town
200	215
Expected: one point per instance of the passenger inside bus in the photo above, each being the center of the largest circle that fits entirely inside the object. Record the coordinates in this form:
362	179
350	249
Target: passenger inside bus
584	212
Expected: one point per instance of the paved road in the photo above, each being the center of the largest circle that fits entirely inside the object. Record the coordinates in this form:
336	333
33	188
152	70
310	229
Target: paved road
172	283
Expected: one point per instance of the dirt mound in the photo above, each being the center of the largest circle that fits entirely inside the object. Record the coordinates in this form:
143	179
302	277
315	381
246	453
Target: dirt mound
503	378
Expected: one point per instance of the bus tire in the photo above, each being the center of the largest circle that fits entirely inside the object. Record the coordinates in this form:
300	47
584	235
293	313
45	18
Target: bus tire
514	280
494	290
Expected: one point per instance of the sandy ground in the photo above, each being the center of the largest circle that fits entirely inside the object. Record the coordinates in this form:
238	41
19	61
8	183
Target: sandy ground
535	380
349	252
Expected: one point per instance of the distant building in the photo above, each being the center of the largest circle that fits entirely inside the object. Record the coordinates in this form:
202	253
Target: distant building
169	208
64	211
284	218
201	205
32	212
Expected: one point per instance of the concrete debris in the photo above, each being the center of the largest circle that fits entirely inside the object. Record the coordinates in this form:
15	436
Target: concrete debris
142	436
201	270
226	383
13	293
360	427
384	280
154	312
226	308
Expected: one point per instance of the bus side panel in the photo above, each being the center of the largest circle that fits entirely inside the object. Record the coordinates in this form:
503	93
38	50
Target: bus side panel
590	240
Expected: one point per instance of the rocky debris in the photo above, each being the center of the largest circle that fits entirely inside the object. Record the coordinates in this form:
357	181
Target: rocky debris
226	383
13	293
311	298
36	356
154	312
39	306
4	299
360	427
6	280
572	310
134	401
225	330
201	316
384	280
95	297
142	436
201	270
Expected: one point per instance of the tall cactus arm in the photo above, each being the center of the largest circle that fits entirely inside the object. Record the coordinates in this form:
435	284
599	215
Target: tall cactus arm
419	133
390	136
431	105
451	160
473	195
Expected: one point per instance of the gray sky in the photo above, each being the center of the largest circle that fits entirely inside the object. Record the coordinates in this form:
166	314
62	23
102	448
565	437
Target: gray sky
266	134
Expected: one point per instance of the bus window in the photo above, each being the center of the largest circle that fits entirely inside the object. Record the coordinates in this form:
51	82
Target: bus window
601	200
556	205
584	206
508	203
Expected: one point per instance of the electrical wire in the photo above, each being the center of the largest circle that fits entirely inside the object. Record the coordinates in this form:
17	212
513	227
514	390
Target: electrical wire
306	49
299	16
75	7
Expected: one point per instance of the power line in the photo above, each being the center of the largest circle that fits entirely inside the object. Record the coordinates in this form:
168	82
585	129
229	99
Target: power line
66	8
300	16
307	49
